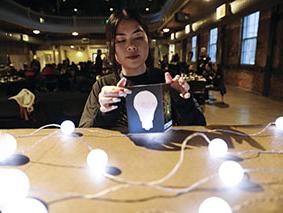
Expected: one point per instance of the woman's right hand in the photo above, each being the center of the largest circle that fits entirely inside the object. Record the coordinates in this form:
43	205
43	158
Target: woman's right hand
112	94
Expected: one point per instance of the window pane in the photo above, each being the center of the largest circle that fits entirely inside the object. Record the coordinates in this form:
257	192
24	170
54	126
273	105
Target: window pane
194	48
249	40
212	46
248	56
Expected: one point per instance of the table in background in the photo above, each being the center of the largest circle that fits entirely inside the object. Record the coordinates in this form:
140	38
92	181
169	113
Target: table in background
58	166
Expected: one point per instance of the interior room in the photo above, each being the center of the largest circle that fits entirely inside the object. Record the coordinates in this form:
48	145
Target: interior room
219	104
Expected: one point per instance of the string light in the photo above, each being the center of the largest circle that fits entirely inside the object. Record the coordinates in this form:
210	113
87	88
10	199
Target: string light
214	204
67	127
217	147
14	185
231	173
97	160
8	146
279	123
30	205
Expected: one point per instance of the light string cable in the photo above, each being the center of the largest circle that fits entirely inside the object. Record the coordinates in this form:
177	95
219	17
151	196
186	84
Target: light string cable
37	130
39	142
153	184
179	191
243	134
171	173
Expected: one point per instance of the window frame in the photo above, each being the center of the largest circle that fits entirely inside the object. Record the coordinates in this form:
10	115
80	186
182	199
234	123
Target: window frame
212	44
246	40
194	49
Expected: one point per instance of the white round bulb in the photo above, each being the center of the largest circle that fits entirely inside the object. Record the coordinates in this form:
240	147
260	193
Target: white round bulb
29	205
67	127
14	185
217	147
8	146
231	173
279	123
214	204
97	160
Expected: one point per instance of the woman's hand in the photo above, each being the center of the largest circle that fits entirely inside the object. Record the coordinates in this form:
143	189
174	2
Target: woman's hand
179	84
112	94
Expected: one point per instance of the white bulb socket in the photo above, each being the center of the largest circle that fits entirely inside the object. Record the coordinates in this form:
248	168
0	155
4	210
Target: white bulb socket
67	127
231	173
217	147
14	185
8	146
279	123
30	205
214	204
97	160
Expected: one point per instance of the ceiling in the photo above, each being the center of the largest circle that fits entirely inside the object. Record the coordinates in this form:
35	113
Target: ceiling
173	14
90	7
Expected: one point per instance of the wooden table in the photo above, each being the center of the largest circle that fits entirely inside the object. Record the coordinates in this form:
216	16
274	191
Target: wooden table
57	168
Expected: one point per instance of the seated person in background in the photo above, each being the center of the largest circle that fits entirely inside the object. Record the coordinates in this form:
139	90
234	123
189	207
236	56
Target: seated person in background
105	106
218	80
208	73
164	62
203	60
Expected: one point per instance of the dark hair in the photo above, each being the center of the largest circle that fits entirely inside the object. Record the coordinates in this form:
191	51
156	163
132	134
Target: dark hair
111	27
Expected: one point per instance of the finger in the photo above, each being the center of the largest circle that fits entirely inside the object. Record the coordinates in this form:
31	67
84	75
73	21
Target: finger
108	108
114	91
108	100
122	82
176	78
168	78
186	95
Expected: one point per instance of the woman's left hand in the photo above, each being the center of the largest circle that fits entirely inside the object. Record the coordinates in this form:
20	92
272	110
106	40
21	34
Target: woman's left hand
179	84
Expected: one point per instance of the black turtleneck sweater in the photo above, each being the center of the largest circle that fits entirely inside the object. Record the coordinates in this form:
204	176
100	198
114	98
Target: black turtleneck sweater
184	111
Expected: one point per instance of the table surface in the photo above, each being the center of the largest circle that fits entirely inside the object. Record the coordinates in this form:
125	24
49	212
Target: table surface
57	169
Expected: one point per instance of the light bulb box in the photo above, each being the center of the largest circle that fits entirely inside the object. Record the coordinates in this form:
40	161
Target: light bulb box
149	108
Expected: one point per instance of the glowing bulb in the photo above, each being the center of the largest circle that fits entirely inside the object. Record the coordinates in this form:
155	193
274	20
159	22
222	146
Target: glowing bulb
231	173
14	185
279	123
214	204
30	205
217	147
67	127
97	160
8	146
145	104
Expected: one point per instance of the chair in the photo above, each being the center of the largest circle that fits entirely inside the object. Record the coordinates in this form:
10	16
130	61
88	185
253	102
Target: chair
197	89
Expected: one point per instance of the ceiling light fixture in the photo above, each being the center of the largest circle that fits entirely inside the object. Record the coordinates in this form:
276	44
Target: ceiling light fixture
166	30
72	46
36	32
147	9
75	10
111	9
75	33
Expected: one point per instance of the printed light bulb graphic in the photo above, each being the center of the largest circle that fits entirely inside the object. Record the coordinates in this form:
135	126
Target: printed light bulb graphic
145	104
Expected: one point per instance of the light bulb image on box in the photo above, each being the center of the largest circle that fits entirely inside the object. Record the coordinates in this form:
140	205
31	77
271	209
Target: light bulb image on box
145	103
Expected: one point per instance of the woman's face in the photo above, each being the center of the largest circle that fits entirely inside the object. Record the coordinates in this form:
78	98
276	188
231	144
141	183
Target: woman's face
131	47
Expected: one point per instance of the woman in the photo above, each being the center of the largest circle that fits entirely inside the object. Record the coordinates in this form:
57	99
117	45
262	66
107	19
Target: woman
129	43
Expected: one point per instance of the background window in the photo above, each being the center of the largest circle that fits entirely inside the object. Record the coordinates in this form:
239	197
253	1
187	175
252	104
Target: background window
249	38
194	48
212	45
